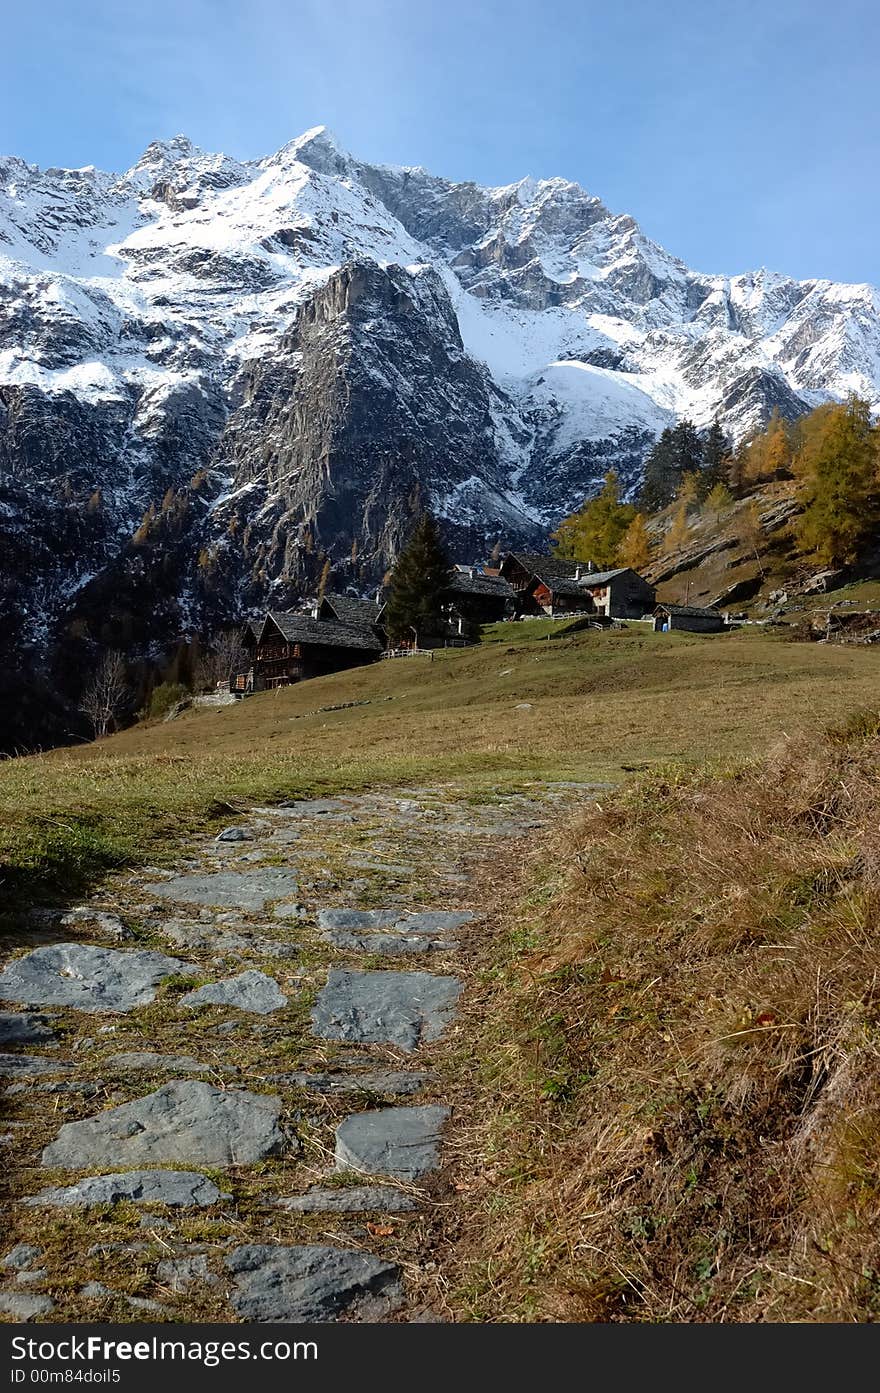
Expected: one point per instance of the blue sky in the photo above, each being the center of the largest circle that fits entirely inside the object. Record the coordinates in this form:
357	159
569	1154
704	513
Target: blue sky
739	132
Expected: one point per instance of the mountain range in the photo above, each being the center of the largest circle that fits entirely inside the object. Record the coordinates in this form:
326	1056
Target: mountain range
216	375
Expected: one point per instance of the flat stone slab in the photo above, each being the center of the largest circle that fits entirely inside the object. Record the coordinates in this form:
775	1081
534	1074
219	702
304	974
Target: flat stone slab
392	1008
87	978
401	1142
427	921
249	991
350	1199
227	941
22	1028
25	1305
381	1081
312	1282
15	1065
135	1060
179	1188
387	945
246	890
358	919
186	1121
390	932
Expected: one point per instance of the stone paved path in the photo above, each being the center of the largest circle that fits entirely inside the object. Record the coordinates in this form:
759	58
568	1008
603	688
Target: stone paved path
222	1086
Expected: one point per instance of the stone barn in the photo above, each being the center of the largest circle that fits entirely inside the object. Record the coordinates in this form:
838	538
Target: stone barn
695	619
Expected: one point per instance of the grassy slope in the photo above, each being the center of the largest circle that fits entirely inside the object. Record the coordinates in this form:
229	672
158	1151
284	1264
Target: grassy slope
675	1042
600	704
683	1046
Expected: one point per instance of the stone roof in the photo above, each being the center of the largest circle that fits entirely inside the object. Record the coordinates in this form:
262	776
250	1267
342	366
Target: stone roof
463	583
589	578
693	611
327	633
562	576
351	609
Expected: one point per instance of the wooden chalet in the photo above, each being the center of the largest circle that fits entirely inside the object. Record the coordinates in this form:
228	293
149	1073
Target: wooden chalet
697	619
293	647
479	596
546	584
620	594
553	586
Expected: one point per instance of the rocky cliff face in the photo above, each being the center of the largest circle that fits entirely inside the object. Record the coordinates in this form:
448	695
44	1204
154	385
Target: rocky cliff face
215	374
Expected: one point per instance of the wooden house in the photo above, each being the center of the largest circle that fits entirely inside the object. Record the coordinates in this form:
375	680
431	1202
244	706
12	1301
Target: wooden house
294	647
477	597
620	594
696	619
546	584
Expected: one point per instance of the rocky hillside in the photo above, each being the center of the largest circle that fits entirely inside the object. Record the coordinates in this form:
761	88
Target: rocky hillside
215	373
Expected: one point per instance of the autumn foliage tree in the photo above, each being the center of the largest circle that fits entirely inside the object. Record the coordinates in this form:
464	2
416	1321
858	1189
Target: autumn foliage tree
838	467
679	530
635	547
596	532
767	455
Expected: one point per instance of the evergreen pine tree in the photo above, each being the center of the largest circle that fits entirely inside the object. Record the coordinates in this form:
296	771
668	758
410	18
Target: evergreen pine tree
662	475
418	584
687	448
716	457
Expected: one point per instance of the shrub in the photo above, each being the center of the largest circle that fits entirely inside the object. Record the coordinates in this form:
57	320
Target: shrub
162	698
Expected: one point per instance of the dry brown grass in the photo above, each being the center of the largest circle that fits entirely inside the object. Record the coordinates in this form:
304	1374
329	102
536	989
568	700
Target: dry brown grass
680	1057
590	706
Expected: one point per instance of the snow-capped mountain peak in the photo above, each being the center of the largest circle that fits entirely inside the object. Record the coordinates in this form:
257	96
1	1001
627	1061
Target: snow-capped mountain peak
326	340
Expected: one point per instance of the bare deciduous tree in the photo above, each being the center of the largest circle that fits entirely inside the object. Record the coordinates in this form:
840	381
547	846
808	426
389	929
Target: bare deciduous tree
106	696
225	655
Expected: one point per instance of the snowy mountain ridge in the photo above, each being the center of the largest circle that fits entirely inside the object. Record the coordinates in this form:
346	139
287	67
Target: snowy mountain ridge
216	252
326	345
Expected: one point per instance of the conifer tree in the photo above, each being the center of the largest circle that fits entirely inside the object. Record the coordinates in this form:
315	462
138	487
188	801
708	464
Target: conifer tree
662	475
777	447
596	532
687	448
689	488
719	500
716	457
838	465
418	584
635	548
